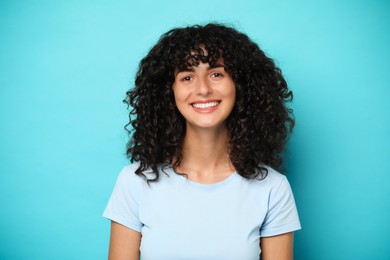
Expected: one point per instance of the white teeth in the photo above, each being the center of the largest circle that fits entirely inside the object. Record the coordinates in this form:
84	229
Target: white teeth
205	105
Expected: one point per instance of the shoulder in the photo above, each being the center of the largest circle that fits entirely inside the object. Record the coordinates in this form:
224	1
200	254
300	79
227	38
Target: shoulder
128	178
279	183
274	176
274	184
128	174
273	179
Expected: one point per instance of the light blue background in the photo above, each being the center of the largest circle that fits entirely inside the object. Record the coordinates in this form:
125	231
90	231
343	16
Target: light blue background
64	69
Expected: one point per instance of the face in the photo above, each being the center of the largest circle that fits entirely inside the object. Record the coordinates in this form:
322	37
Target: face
204	95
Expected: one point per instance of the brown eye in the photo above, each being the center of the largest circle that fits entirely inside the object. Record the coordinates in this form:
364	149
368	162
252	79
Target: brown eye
216	75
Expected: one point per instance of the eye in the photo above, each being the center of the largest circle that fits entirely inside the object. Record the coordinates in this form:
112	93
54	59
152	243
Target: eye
216	75
186	78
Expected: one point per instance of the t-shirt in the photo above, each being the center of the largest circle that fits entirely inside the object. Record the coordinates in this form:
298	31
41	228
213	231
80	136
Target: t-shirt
182	219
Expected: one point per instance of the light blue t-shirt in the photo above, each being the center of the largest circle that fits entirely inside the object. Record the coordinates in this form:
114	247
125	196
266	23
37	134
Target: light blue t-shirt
181	219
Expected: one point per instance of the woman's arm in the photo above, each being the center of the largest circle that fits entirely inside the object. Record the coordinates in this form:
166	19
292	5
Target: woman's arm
277	247
124	243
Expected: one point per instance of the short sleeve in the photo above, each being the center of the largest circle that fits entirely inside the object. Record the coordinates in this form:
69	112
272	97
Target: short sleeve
123	206
282	216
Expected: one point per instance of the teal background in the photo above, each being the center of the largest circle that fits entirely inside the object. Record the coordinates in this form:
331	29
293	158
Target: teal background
64	70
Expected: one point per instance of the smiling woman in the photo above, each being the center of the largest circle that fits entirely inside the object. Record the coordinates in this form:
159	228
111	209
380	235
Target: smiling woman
204	95
210	123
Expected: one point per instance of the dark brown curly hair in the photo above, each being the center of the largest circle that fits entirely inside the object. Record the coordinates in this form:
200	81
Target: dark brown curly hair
259	124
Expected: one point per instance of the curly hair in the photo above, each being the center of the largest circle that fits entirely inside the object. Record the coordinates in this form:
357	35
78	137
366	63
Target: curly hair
259	124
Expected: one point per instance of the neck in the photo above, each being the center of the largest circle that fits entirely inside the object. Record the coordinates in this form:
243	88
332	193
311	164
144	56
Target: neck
205	155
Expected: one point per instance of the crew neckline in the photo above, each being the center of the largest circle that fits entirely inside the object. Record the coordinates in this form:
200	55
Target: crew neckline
231	177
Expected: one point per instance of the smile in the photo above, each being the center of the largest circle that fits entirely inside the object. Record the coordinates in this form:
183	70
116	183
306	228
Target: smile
207	105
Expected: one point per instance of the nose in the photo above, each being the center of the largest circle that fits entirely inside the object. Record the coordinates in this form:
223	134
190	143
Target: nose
203	87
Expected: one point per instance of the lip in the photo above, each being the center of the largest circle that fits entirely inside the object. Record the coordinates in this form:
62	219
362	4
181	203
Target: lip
205	110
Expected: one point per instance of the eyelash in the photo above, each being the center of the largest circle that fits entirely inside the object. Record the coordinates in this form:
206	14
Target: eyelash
215	75
186	78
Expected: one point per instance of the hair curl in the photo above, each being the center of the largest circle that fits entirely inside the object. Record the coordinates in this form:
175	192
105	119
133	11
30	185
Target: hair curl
259	124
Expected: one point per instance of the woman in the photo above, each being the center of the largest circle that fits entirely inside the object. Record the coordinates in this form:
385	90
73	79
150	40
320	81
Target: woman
209	124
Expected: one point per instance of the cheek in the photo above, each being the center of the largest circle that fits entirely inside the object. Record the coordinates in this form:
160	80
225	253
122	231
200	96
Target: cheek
180	100
232	96
180	94
176	93
232	92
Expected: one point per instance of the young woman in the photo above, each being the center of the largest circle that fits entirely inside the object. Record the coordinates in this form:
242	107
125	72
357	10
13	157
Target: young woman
209	125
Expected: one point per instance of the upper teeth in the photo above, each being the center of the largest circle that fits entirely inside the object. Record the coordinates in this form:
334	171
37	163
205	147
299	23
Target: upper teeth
205	105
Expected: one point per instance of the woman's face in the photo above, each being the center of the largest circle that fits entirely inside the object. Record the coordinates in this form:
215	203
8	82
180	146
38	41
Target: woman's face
204	95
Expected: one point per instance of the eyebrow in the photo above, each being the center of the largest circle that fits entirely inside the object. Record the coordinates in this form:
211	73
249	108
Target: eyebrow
191	69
